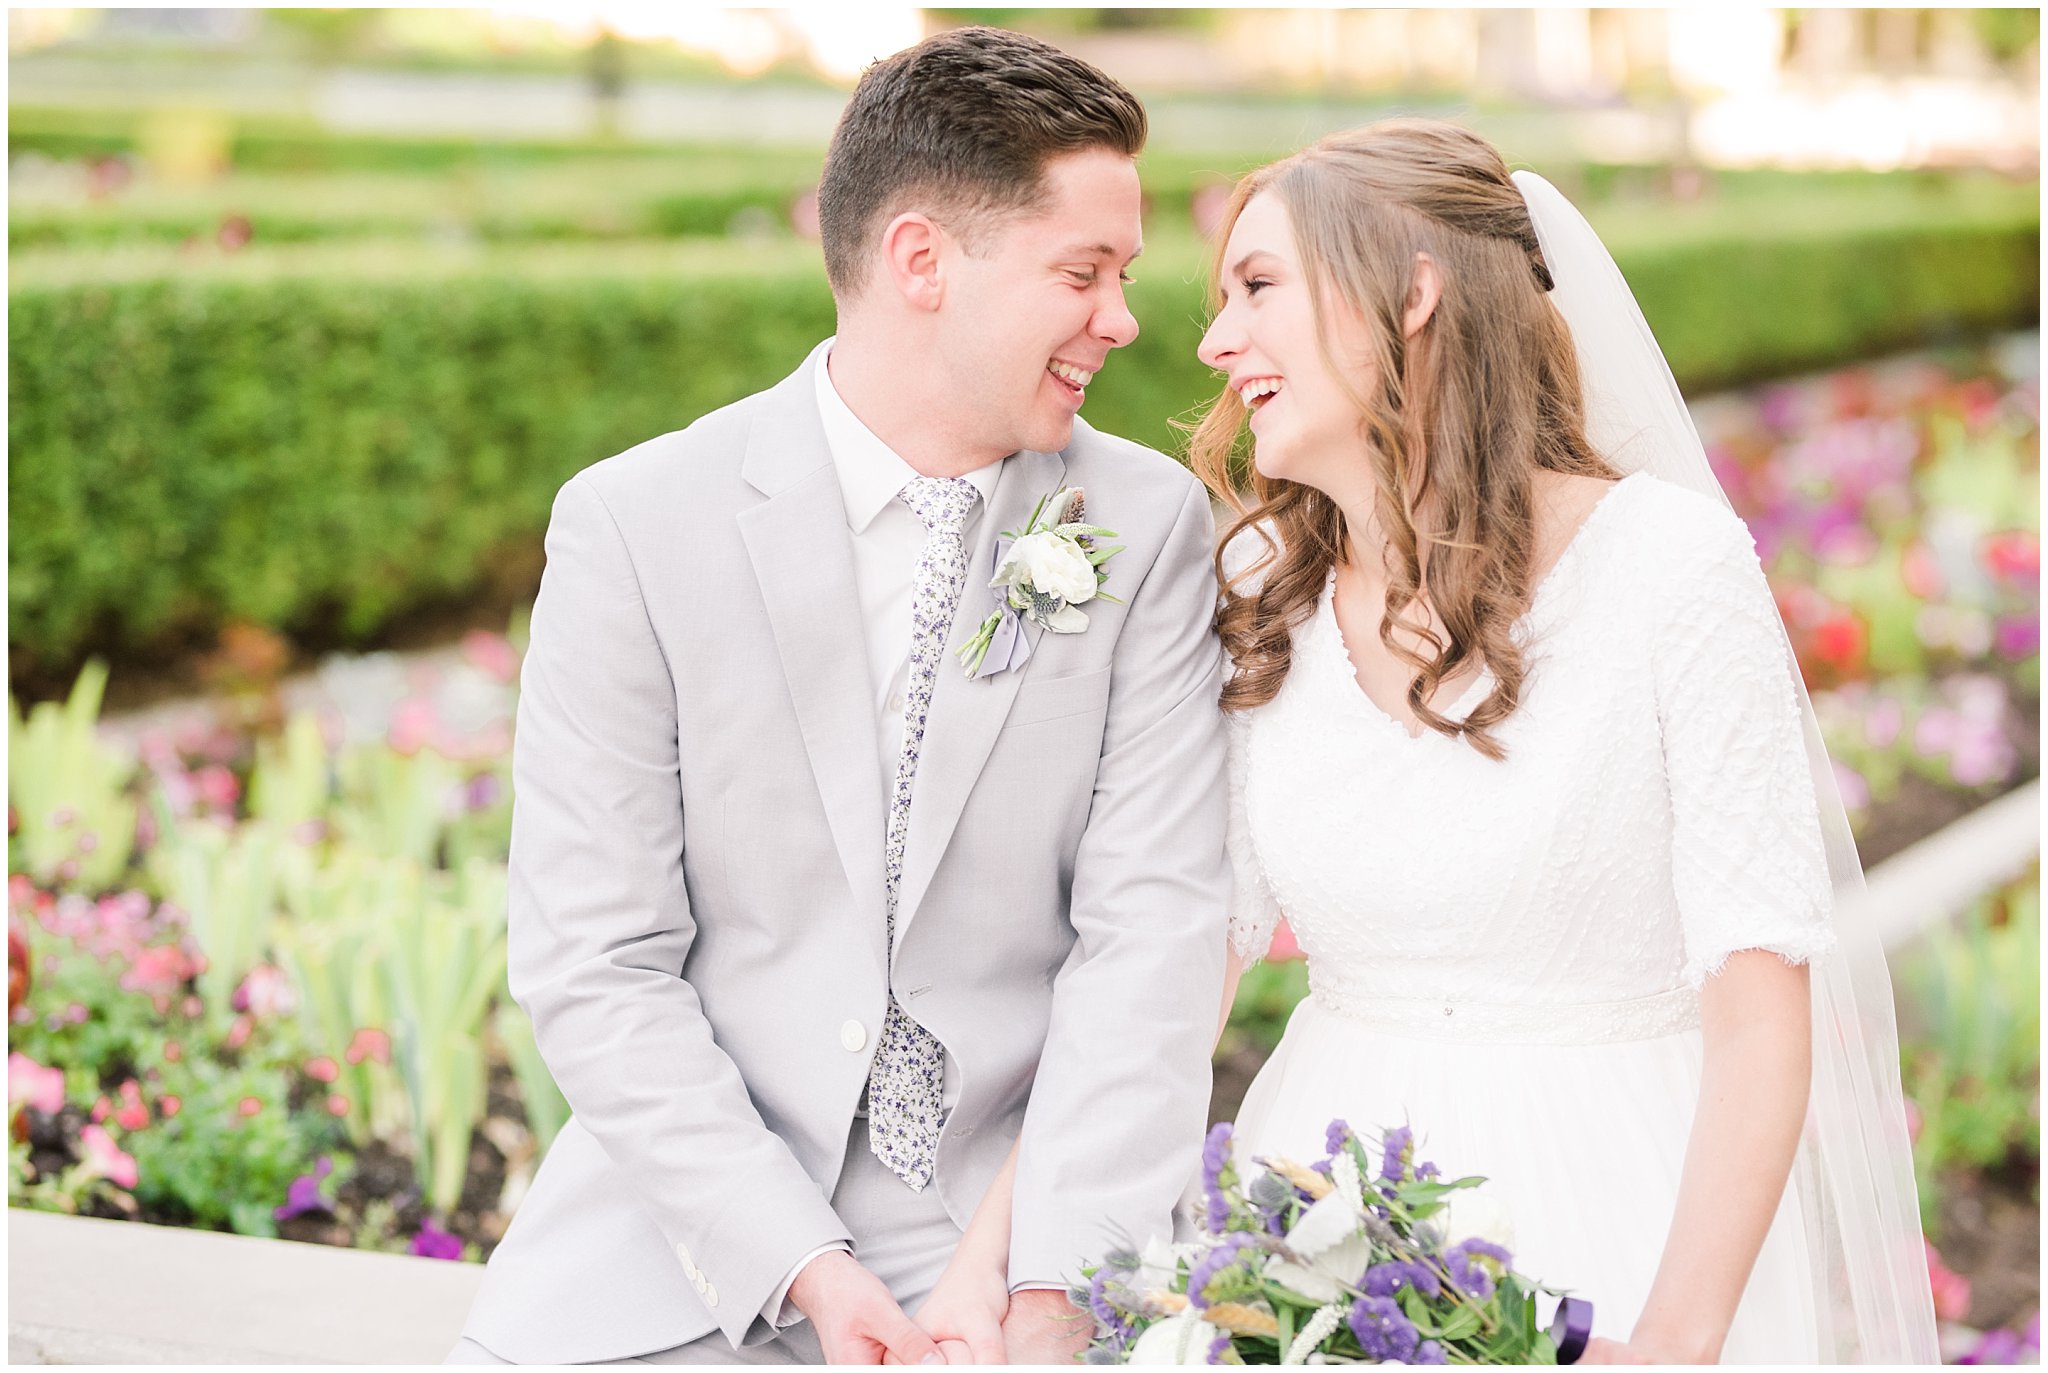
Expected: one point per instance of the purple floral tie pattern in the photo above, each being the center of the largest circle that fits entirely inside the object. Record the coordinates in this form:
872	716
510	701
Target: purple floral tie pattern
906	1081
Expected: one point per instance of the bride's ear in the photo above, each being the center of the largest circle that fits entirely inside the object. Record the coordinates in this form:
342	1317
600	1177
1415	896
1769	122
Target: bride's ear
1424	291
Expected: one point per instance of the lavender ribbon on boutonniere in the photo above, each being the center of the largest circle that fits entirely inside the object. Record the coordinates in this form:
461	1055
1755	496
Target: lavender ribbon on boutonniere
1043	574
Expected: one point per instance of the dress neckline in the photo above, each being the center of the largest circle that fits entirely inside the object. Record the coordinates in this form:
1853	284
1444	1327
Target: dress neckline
1345	672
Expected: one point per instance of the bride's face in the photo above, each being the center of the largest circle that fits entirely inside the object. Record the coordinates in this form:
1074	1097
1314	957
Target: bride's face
1304	423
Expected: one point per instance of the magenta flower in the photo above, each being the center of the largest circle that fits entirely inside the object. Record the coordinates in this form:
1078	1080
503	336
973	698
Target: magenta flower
432	1242
303	1195
30	1083
105	1159
159	971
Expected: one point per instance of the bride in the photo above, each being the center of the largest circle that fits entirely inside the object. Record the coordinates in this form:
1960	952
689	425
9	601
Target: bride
1518	748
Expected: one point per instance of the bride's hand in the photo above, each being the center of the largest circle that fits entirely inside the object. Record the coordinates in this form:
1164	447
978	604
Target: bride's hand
964	1313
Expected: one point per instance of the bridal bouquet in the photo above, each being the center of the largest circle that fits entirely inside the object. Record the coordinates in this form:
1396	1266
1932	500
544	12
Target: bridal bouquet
1341	1261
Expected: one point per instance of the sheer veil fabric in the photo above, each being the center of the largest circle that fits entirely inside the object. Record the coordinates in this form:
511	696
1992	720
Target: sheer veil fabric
1854	1169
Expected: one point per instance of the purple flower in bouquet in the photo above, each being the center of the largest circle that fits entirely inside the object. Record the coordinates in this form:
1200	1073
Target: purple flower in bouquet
1429	1351
1400	1146
1217	1261
1336	1135
1217	1348
432	1242
1387	1279
1104	1310
1382	1331
1215	1164
304	1193
1468	1267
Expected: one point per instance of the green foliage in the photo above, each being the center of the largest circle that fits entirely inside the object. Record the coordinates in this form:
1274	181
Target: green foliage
231	1151
69	789
321	441
1970	1007
1266	996
227	883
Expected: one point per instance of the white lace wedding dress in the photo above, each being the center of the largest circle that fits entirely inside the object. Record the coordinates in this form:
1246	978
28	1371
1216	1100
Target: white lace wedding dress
1507	954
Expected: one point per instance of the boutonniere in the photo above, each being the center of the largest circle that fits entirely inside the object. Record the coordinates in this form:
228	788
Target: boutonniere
1045	574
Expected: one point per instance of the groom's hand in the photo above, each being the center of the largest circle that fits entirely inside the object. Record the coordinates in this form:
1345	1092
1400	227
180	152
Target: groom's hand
856	1319
1044	1327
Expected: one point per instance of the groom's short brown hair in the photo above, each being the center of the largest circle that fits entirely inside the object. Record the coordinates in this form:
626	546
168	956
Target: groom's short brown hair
960	127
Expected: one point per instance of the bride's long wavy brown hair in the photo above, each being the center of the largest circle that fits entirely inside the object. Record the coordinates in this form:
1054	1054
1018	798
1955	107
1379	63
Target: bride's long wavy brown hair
1453	421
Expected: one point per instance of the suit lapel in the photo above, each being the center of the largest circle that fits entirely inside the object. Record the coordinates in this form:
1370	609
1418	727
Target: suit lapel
802	556
967	715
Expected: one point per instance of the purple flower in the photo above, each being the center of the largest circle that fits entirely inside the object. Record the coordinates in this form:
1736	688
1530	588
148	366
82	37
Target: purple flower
1387	1279
1215	1262
1399	1145
1335	1136
304	1193
1382	1331
1429	1351
432	1242
1216	1174
1107	1317
1469	1267
1217	1347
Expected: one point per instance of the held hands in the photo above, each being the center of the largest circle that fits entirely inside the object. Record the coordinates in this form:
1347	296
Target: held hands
1044	1327
856	1319
965	1312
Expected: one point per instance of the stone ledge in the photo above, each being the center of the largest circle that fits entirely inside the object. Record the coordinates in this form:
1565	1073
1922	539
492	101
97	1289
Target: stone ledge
102	1291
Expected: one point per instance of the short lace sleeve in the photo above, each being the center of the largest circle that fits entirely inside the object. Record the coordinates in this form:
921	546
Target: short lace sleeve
1748	864
1254	914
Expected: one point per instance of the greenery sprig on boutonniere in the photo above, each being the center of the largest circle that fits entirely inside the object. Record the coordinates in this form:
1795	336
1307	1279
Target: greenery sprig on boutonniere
1052	567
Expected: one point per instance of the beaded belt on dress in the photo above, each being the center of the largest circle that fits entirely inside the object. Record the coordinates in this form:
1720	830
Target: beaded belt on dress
1583	1022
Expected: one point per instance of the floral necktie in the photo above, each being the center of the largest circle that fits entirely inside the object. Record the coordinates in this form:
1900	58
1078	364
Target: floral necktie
905	1083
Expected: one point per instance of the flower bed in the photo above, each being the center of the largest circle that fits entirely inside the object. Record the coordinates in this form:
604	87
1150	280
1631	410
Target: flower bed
256	956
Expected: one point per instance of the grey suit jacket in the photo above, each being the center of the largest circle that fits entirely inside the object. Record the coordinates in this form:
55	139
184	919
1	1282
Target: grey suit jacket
696	898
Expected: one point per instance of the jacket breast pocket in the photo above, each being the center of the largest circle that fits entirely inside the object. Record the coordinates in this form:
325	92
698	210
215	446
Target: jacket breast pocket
1056	698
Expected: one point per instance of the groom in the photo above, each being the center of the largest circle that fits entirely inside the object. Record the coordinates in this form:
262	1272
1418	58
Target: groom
813	927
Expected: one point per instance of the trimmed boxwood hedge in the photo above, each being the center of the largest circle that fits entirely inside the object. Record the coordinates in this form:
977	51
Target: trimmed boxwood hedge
316	451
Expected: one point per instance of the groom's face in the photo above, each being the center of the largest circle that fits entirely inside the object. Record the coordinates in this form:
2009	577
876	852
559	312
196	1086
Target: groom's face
1030	316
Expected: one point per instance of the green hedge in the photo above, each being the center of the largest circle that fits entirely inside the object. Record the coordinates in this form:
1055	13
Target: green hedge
311	444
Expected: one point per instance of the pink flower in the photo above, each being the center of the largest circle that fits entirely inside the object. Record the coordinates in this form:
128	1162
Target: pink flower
239	1032
337	1105
1283	949
248	1106
1913	1122
322	1069
169	1105
216	787
412	724
104	1158
159	971
1951	1290
371	1044
266	992
30	1083
493	653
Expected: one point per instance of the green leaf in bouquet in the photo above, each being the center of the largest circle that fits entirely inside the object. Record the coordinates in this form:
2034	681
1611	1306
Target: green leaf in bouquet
1461	1324
1414	1194
1417	1307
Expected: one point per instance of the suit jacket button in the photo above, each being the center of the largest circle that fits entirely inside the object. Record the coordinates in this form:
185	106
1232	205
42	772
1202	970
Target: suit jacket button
853	1036
710	1296
683	1254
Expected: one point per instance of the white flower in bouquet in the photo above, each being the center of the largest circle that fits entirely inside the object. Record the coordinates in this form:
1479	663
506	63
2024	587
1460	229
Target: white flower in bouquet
1471	1214
1183	1338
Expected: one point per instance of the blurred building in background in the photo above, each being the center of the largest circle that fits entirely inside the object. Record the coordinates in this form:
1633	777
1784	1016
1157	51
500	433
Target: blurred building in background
1734	85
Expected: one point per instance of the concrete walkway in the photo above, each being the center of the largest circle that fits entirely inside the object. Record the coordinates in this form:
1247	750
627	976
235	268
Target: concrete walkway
100	1291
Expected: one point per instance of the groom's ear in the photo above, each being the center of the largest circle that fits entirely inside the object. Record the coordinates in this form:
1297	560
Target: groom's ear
1424	291
911	256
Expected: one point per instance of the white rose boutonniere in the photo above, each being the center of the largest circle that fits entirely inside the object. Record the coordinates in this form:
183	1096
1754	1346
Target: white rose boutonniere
1051	567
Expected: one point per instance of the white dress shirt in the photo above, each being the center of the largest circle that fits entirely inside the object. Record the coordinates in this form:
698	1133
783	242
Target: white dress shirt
887	539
